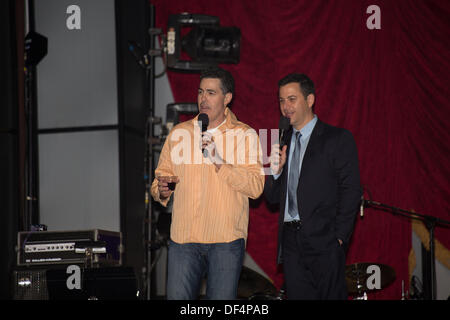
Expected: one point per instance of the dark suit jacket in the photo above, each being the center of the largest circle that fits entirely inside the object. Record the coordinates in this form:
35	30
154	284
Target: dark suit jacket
329	189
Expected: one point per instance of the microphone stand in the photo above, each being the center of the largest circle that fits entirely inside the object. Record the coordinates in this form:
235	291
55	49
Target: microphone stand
430	222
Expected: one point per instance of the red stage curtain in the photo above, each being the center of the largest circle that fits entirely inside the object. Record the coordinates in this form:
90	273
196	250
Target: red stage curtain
389	87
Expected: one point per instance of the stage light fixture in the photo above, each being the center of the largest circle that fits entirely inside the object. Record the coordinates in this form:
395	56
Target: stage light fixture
207	43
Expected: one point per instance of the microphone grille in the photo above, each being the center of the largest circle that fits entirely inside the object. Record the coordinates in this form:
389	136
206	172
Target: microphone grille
203	121
284	123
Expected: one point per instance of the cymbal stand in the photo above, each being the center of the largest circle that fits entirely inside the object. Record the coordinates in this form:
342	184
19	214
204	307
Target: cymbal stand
430	223
361	295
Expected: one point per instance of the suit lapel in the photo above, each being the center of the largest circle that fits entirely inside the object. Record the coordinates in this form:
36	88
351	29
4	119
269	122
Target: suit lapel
311	148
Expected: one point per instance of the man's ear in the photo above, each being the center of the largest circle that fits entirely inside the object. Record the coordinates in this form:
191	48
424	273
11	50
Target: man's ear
310	99
228	98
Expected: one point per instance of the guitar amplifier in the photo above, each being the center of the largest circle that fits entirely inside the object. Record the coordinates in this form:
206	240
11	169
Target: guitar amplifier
95	247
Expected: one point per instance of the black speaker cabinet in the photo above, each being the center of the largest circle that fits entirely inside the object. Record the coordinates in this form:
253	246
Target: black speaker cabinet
29	284
73	282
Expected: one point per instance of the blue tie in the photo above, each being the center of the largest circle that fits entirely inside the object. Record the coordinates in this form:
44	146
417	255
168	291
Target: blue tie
294	172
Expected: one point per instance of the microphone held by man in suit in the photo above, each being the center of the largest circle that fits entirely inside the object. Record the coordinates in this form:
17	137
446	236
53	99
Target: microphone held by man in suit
283	126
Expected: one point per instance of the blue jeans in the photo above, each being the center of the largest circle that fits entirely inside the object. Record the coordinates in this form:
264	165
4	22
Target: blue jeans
188	263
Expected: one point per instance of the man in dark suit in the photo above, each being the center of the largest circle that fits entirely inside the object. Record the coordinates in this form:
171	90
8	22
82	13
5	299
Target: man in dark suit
315	178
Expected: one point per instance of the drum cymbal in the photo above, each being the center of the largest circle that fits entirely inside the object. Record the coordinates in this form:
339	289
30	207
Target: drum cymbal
251	283
362	277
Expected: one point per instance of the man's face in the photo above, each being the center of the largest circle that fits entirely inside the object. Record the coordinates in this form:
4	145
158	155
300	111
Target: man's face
212	101
295	106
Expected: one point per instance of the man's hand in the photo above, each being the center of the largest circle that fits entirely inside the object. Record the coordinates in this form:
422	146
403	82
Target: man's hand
277	158
163	185
210	147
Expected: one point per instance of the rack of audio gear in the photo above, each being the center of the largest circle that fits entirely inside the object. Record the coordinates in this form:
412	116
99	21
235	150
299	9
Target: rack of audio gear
88	247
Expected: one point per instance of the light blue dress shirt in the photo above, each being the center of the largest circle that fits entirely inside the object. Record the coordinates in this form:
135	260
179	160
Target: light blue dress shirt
304	140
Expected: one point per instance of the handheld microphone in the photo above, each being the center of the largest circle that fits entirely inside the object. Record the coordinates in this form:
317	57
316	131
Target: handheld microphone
203	122
283	125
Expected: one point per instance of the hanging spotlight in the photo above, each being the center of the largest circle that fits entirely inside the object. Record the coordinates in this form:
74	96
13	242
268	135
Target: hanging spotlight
207	44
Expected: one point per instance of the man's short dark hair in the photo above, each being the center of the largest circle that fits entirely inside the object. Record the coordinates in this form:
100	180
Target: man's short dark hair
225	77
306	84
